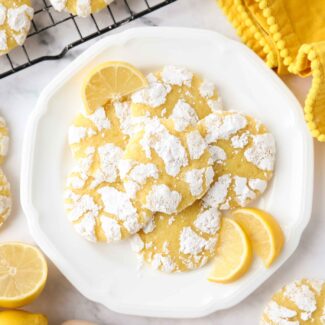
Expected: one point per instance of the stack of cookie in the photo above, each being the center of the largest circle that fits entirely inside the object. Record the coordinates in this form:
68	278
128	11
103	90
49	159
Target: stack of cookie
162	165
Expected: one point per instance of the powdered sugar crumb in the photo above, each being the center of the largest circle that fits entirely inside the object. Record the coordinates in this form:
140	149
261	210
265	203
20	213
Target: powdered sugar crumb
196	144
162	199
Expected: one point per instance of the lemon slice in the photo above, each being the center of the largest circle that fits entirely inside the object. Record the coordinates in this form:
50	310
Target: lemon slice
111	81
234	253
19	317
264	232
23	273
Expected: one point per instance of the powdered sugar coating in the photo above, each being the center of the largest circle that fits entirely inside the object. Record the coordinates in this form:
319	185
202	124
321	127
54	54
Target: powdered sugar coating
154	95
3	40
59	5
222	127
207	89
262	153
191	242
183	115
196	144
243	192
141	172
280	315
208	221
257	184
99	119
303	298
217	194
176	75
195	180
111	228
168	147
218	155
3	14
216	104
162	199
82	8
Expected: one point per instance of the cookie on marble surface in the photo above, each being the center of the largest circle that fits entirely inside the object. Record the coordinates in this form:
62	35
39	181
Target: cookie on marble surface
4	139
15	21
179	242
243	154
5	198
100	210
300	302
166	170
177	93
82	8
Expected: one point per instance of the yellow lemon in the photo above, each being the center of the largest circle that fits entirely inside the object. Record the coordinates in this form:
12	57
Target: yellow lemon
23	273
19	317
234	253
264	232
111	81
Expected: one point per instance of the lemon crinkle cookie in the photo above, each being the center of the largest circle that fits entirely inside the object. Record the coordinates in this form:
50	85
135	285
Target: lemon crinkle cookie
243	155
5	198
166	170
97	141
179	242
15	21
4	139
176	93
82	8
101	210
300	302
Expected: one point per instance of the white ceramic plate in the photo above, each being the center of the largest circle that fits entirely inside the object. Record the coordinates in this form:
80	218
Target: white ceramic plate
107	273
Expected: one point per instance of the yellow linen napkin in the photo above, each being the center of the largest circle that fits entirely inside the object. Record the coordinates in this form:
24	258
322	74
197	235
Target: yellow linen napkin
290	36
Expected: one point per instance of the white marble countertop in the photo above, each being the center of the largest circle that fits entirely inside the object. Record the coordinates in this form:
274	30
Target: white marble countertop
60	301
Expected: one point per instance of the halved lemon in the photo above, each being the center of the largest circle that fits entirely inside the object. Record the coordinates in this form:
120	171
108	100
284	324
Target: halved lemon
234	253
23	273
264	232
110	81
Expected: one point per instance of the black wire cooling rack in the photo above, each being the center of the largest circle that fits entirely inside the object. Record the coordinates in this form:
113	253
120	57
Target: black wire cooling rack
53	33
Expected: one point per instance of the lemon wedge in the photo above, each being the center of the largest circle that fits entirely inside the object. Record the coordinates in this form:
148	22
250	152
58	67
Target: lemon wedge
110	81
19	317
23	273
234	253
264	232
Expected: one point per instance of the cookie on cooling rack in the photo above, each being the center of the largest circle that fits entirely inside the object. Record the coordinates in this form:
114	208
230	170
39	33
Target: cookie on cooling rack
82	8
15	21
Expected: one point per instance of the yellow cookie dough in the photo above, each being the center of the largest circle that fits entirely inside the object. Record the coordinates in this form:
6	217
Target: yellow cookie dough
166	170
5	198
4	139
243	153
176	93
298	303
179	242
82	8
15	21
